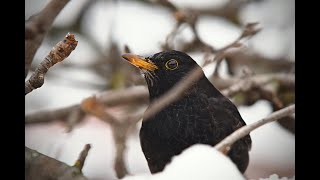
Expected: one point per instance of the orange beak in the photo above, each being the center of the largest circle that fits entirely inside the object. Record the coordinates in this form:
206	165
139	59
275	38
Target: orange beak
139	62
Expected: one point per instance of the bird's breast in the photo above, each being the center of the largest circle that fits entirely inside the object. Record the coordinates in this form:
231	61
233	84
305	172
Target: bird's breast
186	121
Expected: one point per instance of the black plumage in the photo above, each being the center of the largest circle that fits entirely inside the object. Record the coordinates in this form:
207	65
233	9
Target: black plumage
202	115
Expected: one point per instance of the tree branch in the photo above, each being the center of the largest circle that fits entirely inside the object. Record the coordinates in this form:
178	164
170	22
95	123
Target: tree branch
93	106
248	31
229	10
58	53
37	26
132	95
226	143
39	167
139	95
82	157
257	81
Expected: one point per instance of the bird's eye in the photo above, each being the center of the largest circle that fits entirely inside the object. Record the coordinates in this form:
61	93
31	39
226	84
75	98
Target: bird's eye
172	64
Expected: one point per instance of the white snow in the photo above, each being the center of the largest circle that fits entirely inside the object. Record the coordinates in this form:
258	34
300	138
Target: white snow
276	177
197	162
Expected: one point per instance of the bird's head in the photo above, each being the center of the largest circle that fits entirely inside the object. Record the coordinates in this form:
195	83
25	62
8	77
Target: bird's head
162	70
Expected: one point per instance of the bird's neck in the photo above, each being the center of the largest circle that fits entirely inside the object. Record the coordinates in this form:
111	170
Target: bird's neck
202	85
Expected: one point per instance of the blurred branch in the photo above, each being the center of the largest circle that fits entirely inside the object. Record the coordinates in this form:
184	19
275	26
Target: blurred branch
230	10
58	53
36	28
190	18
248	31
257	62
39	167
93	106
74	117
132	95
285	79
245	84
139	95
226	143
119	129
44	116
82	157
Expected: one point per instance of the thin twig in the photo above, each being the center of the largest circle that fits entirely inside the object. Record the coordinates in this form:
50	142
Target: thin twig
119	130
226	143
82	157
74	118
58	53
229	10
37	26
249	30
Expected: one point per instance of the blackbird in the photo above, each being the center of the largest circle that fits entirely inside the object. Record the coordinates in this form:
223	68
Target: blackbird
202	115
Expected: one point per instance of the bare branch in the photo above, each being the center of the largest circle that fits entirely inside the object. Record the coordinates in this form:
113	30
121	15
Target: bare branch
45	116
74	118
58	53
139	95
93	106
82	157
249	30
257	62
225	144
37	26
229	10
257	81
119	130
39	167
133	95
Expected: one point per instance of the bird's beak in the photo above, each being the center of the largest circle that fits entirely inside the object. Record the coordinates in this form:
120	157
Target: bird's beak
139	62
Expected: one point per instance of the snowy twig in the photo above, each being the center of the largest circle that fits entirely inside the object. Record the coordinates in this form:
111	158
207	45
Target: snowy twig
226	143
58	53
82	157
37	26
39	166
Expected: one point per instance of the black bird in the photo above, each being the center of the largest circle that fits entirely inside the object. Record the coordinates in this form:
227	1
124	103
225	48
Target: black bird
202	115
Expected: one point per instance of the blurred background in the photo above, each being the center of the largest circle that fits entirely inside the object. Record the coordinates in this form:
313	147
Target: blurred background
103	28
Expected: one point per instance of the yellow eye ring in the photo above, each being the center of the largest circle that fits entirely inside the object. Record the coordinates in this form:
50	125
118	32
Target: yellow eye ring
172	64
